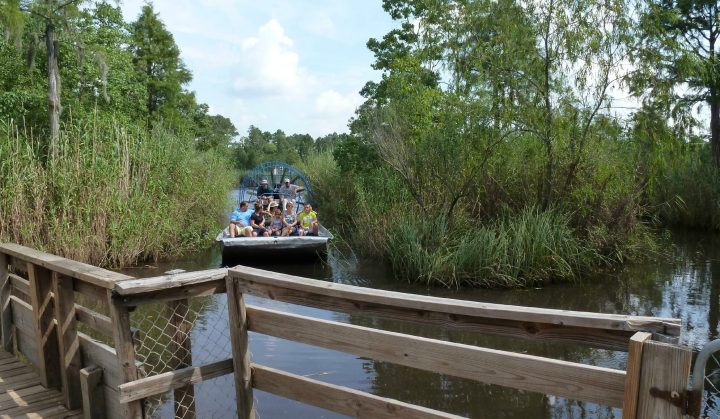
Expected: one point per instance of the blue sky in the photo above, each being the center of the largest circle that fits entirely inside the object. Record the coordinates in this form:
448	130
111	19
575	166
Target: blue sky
291	65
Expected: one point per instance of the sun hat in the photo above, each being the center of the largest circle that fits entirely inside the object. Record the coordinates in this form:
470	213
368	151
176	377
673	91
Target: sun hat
287	180
263	182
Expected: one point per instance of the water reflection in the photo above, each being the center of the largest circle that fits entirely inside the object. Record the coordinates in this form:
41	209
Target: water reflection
685	284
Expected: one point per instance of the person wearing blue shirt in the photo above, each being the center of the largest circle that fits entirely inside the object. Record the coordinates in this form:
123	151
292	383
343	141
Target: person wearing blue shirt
240	221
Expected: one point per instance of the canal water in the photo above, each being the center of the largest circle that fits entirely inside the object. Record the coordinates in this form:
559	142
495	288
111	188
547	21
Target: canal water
683	283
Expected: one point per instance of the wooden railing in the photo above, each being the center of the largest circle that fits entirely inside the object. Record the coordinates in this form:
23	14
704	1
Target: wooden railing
41	316
657	370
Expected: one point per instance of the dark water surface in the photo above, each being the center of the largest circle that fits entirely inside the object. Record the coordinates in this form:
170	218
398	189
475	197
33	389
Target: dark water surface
684	284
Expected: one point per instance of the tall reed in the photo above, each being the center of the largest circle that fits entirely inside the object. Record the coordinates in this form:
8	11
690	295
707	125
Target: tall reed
528	248
109	194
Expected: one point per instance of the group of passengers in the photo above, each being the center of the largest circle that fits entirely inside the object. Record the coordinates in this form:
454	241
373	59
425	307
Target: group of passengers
268	218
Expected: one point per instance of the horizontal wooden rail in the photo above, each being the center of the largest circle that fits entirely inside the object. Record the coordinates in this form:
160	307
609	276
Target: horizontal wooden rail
609	331
162	383
524	372
353	403
170	287
88	273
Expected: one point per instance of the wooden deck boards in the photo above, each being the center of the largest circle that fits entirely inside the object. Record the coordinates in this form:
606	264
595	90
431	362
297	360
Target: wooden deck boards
22	396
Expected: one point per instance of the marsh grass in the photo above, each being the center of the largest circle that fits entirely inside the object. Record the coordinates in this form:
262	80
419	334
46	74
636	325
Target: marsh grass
526	249
109	194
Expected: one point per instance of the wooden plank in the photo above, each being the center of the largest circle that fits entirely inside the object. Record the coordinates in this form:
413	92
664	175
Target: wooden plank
19	394
543	332
125	350
162	383
93	394
181	347
170	281
216	286
93	319
90	290
5	309
89	273
238	325
338	399
253	280
36	407
23	326
68	343
634	371
46	337
525	372
20	284
665	368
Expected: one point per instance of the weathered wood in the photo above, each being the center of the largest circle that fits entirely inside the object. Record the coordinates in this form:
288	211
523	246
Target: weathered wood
22	395
125	349
255	281
528	330
162	383
170	281
181	349
634	373
216	286
238	325
96	321
23	327
93	395
90	290
665	368
68	343
20	284
46	336
5	309
338	399
525	372
89	273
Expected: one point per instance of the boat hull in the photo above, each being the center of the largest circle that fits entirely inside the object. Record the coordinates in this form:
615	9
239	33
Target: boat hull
261	250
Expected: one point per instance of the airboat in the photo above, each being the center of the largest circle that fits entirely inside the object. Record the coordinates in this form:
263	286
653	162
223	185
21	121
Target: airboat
275	249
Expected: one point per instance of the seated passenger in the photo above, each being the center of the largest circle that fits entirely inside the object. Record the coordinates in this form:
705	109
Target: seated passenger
308	221
276	223
288	192
240	221
257	222
290	220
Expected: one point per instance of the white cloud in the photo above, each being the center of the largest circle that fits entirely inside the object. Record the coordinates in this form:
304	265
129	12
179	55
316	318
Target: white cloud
268	63
332	103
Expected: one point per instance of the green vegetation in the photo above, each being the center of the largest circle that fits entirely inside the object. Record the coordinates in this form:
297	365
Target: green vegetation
122	164
108	195
489	153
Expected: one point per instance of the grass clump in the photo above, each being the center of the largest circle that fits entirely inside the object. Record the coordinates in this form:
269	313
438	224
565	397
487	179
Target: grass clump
109	194
529	248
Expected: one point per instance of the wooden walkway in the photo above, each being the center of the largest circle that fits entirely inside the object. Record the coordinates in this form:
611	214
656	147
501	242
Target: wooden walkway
22	396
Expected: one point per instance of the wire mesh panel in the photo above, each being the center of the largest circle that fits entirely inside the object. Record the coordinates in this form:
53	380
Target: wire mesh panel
179	334
706	380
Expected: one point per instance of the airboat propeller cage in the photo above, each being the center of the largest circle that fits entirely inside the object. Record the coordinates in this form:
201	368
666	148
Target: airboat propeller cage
274	172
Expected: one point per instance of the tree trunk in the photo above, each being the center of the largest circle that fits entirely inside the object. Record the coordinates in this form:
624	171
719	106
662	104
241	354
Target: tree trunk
715	126
54	107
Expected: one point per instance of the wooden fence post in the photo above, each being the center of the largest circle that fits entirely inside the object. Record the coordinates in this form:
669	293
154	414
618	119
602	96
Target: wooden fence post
5	309
68	342
125	350
93	395
664	380
634	374
46	339
181	349
241	356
